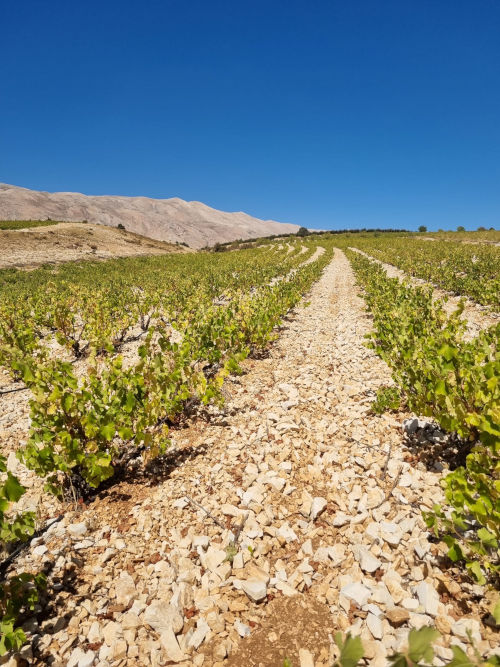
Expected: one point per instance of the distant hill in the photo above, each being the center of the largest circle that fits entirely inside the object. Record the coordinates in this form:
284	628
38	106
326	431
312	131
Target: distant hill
70	241
169	220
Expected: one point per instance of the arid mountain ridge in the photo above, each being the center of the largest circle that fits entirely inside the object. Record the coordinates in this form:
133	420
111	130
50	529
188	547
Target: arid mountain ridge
173	220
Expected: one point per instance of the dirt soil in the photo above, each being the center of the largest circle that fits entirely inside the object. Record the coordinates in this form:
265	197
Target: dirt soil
72	241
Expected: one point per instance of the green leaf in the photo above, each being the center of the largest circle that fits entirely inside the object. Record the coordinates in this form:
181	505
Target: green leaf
441	388
67	402
125	432
455	552
27	374
448	352
351	650
460	659
496	612
487	538
12	490
108	431
476	571
420	644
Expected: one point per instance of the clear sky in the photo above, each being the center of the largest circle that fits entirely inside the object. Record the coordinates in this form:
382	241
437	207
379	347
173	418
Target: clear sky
329	114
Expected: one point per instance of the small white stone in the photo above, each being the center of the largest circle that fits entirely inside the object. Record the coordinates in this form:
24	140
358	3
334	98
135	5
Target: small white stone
12	462
256	590
356	592
84	544
375	626
242	629
405	480
307	549
125	589
200	541
373	609
213	558
418	621
77	529
428	598
161	615
340	520
111	632
198	636
286	533
391	533
367	561
460	628
171	646
256	573
287	590
306	658
410	603
80	658
318	505
39	550
94	634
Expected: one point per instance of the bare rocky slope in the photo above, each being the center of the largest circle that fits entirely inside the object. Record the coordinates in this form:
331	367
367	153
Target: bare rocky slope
170	220
71	242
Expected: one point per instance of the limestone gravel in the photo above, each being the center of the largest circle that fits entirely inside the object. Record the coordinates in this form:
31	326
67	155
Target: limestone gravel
316	499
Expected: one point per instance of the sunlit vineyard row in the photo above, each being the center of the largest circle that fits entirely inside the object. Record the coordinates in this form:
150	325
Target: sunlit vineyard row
466	269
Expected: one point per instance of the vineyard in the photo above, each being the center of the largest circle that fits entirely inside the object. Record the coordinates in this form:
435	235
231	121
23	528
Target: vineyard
227	458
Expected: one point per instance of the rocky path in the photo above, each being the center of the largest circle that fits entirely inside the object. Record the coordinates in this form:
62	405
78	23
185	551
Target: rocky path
476	316
292	515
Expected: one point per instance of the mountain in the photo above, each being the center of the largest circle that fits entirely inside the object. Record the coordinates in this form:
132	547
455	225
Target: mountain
169	220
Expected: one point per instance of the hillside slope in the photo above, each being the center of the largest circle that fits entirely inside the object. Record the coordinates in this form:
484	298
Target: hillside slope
170	220
71	241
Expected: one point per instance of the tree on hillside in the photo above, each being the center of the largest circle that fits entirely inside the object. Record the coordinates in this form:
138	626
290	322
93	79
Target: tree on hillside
121	226
422	228
460	228
481	229
303	232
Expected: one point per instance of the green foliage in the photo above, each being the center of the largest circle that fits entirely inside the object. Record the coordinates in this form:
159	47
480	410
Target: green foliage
456	382
388	398
25	224
199	316
303	231
469	269
13	527
351	650
419	653
420	650
422	228
18	593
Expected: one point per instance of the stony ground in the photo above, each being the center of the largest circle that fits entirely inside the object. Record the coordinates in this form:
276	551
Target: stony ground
292	514
71	241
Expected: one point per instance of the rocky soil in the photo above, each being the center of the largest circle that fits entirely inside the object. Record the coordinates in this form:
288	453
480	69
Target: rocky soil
70	241
270	525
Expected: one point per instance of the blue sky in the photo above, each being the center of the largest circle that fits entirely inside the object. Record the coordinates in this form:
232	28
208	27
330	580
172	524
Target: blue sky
332	114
